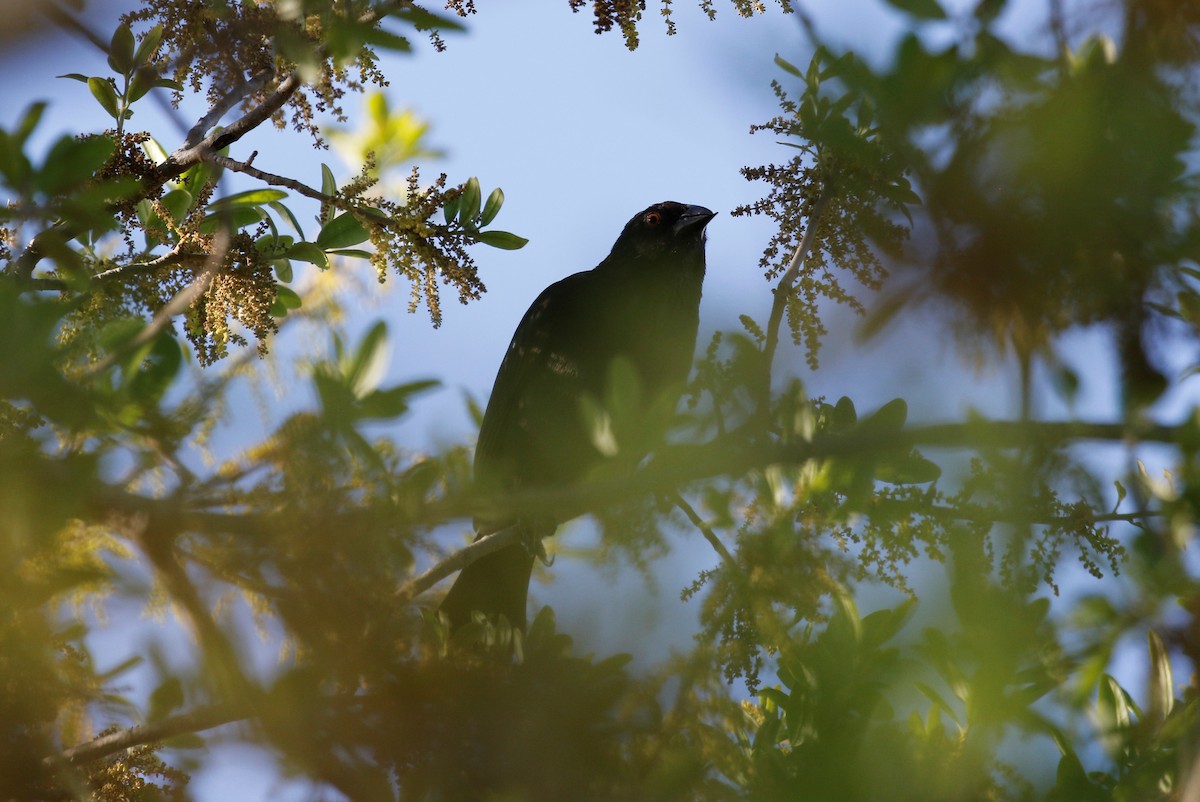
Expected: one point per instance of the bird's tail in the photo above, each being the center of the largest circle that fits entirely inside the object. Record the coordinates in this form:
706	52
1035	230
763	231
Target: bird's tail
495	583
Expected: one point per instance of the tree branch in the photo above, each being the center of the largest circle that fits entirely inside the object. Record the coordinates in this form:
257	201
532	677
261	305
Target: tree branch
185	156
671	468
222	106
202	718
189	154
705	529
172	257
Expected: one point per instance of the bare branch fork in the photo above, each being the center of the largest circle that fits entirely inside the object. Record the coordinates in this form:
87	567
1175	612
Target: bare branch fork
193	152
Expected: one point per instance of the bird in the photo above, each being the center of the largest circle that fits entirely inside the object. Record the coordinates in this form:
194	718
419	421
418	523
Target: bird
639	306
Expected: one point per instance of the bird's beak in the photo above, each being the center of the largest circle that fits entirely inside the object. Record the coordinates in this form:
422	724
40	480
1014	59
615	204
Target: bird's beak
693	220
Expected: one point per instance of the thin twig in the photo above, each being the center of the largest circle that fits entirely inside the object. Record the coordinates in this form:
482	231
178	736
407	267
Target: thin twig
269	178
704	528
779	305
172	257
459	560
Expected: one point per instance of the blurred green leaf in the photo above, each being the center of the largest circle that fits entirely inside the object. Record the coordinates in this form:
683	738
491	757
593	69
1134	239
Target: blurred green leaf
392	402
369	362
165	699
73	161
1162	685
920	9
422	19
29	121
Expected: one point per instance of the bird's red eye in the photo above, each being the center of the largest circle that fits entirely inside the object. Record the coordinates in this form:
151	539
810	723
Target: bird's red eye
653	219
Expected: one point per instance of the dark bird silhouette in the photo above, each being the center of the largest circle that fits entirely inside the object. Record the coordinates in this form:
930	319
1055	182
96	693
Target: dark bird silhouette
641	305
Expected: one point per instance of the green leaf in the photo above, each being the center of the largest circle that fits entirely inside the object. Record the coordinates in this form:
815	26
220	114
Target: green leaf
177	202
72	161
309	252
29	121
328	186
285	298
421	19
501	239
105	95
386	39
370	361
168	83
74	76
144	79
286	214
149	45
158	154
392	402
1113	704
787	66
156	369
251	197
166	697
114	335
451	209
14	165
1162	686
921	9
120	50
889	417
911	469
342	231
468	203
235	218
357	253
492	207
844	415
283	270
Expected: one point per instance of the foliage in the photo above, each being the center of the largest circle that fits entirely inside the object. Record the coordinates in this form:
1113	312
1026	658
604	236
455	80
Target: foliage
1025	192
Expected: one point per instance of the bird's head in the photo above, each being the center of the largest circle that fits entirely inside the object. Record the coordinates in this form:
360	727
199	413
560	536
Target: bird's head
663	230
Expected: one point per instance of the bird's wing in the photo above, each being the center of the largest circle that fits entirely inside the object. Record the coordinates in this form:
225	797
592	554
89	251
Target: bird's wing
539	377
